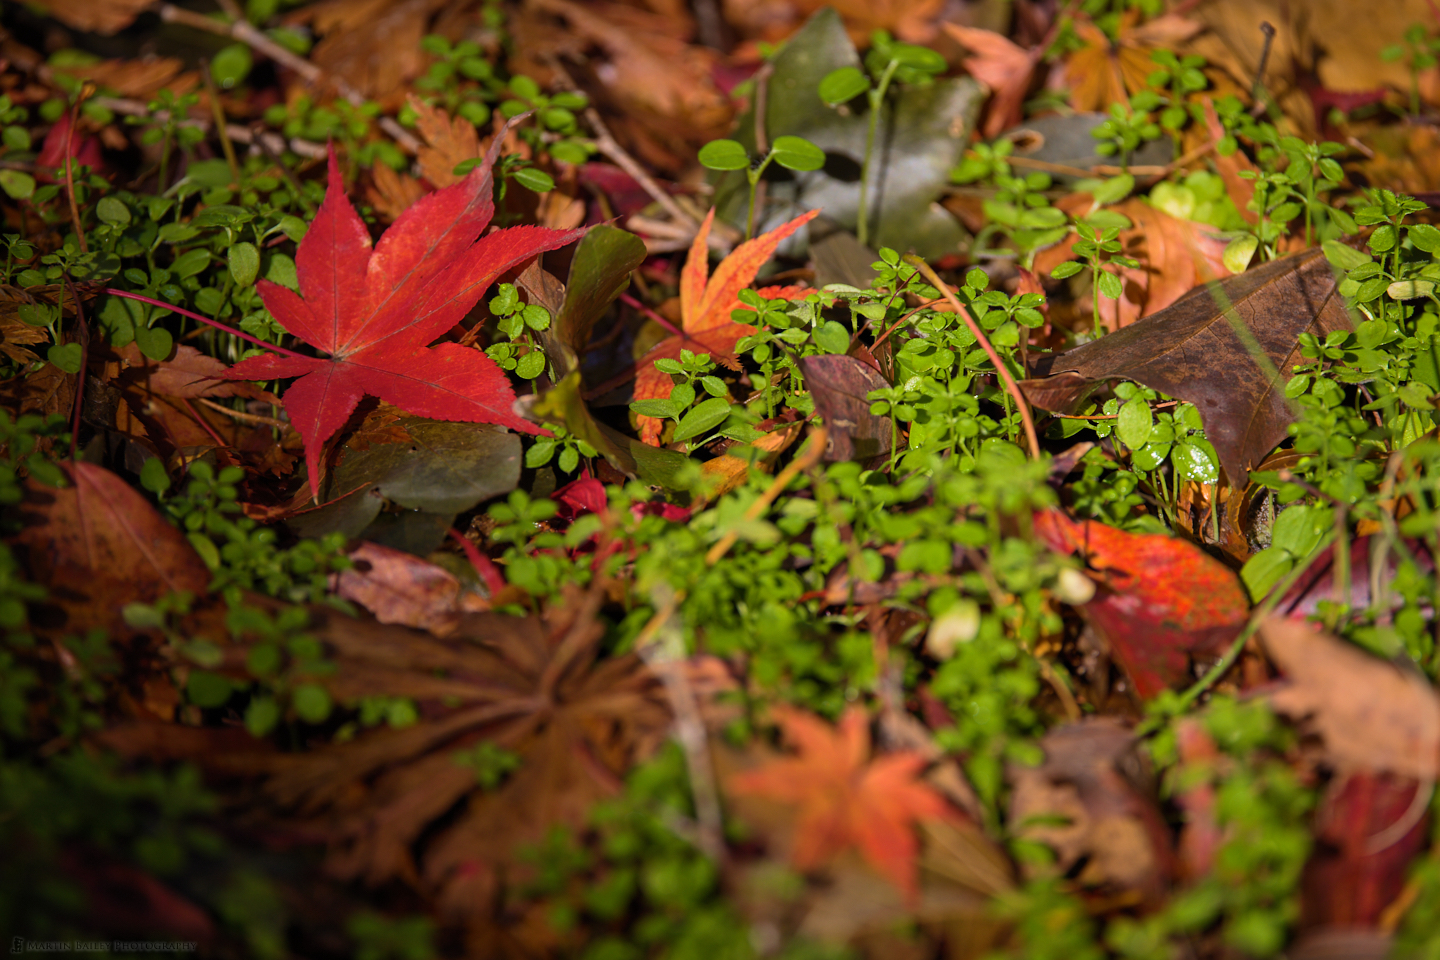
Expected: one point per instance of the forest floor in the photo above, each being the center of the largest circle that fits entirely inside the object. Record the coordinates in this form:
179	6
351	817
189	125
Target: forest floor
744	479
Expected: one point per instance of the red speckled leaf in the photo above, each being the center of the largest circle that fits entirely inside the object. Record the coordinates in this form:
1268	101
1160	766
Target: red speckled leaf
705	307
1160	599
375	312
843	800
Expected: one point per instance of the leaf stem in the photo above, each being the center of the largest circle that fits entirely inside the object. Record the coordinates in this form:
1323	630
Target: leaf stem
206	320
877	101
1004	372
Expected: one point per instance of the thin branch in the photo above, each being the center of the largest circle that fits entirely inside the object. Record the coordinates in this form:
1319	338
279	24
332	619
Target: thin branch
241	415
244	32
206	320
606	143
804	461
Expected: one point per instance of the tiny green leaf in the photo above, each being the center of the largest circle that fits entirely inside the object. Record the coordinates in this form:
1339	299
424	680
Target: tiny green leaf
797	153
532	179
843	85
1238	253
1134	423
705	415
724	155
244	262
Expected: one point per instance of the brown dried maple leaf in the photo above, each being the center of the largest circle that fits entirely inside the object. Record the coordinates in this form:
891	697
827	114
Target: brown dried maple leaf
536	687
844	801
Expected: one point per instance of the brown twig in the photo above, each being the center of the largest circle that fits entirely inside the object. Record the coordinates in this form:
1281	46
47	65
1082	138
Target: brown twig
606	143
242	415
244	32
1000	369
804	461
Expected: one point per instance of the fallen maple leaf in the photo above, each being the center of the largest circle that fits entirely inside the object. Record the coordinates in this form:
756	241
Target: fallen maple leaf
705	307
843	801
1106	71
1162	599
1001	65
374	312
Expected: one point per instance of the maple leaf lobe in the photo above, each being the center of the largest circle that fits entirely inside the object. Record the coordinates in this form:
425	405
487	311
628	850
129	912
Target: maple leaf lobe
375	310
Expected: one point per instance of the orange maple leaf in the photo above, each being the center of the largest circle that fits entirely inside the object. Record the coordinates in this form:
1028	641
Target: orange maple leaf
1001	65
705	307
843	801
1104	71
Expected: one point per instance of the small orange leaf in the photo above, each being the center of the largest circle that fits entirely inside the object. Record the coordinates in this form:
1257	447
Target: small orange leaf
845	802
705	307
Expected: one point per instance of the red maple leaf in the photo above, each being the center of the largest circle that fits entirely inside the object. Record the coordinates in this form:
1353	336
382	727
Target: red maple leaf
1162	599
845	802
705	307
376	311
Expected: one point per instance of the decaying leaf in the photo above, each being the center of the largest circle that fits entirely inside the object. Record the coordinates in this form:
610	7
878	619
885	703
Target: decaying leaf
97	16
1192	350
920	138
373	44
1371	715
375	312
399	587
530	686
1087	804
1370	826
97	544
1161	600
839	385
844	801
1105	72
1174	257
434	469
706	302
449	141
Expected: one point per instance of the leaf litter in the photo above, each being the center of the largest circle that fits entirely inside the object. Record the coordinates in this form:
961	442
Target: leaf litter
589	652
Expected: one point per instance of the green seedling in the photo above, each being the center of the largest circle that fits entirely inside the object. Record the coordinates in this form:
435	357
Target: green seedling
792	153
888	61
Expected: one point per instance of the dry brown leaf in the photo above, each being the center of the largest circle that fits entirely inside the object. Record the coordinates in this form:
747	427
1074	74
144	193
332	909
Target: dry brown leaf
772	21
1003	67
448	143
392	193
373	44
651	73
1102	72
399	587
95	16
97	544
140	78
535	687
1110	822
1371	715
189	374
16	336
